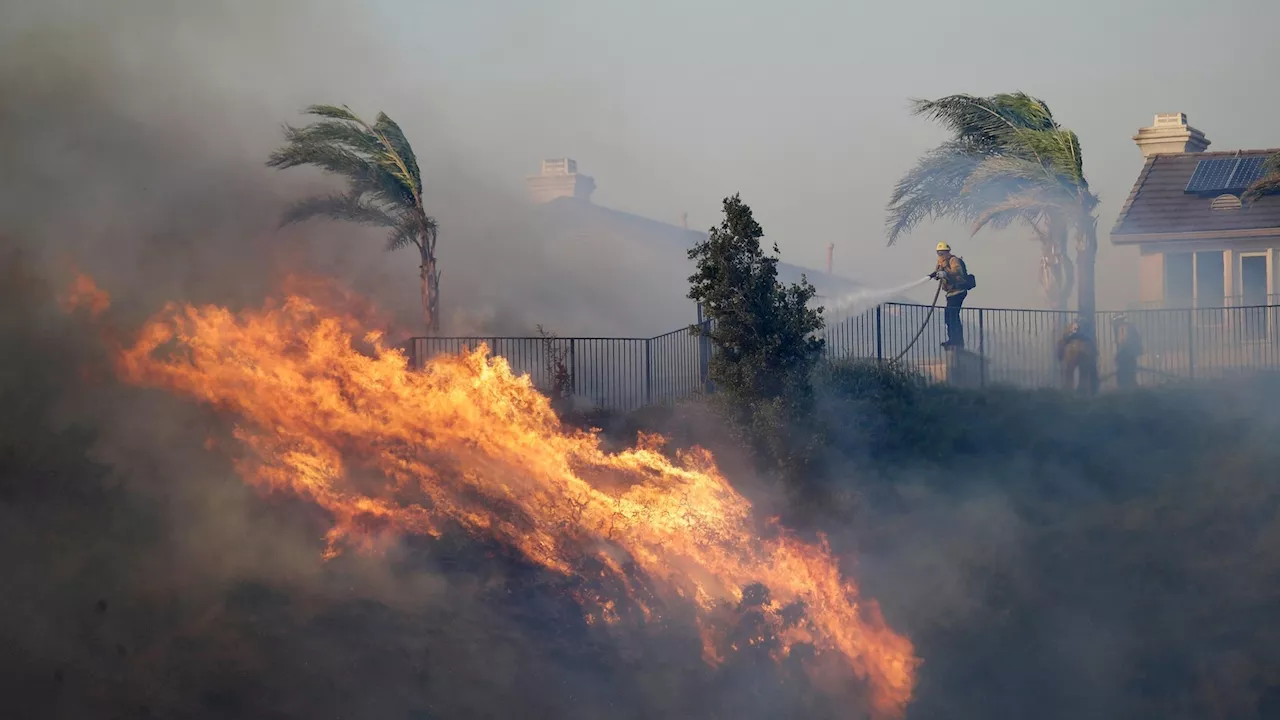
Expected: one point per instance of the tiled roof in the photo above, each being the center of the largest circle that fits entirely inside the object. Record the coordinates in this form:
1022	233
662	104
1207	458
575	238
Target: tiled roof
1158	205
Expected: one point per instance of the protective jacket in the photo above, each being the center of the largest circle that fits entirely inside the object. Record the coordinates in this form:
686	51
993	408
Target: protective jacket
953	274
1075	347
1079	356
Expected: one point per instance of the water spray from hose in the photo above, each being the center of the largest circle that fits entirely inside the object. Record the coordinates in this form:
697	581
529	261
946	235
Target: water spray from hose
864	299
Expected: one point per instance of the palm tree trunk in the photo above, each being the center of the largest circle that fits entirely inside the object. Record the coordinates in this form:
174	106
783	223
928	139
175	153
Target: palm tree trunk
1057	276
430	292
435	298
1086	258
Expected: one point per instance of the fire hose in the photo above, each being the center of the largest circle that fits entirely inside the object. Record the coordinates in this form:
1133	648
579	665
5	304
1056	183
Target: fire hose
933	306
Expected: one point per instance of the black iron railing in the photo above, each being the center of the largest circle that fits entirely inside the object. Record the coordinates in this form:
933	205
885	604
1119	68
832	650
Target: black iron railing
1007	346
620	373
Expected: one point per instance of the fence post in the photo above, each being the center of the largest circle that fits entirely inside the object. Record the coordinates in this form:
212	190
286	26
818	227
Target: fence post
704	353
648	372
982	350
1191	344
573	368
879	335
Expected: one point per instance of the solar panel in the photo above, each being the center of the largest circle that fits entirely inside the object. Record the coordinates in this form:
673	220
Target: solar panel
1250	171
1229	174
1211	175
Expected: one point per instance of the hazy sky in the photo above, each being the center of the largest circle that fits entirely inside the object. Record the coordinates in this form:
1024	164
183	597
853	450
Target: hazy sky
801	105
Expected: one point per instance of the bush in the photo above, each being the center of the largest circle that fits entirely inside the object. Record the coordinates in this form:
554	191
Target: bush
764	338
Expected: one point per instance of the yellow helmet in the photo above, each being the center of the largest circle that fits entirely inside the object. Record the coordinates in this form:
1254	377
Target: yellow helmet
943	246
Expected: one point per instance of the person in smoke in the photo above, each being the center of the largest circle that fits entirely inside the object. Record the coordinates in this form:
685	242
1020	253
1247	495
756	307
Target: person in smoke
956	283
1128	350
1078	356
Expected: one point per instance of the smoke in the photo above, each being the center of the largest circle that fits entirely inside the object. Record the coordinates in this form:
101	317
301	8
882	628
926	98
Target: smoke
134	139
1058	559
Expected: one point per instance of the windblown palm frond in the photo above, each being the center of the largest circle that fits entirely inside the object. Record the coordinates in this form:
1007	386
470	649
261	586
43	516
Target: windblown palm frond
353	207
1027	205
1268	184
399	151
1011	172
383	177
377	161
1008	161
404	234
932	190
987	123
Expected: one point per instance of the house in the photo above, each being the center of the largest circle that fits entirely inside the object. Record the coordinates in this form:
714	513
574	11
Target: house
643	263
1199	246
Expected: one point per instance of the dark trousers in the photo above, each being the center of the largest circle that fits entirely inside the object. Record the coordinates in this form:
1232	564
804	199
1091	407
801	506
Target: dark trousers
1087	369
1126	372
955	331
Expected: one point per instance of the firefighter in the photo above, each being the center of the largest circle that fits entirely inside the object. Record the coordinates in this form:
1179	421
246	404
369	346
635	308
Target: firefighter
956	283
1078	354
1128	350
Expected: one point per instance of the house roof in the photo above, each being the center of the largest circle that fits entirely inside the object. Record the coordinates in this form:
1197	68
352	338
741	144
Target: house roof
579	216
1158	208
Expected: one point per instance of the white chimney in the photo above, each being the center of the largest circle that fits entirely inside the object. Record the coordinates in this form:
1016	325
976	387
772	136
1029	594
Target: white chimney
1170	133
559	178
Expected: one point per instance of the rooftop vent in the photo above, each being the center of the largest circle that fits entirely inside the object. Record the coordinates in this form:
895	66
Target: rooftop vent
1225	202
1170	120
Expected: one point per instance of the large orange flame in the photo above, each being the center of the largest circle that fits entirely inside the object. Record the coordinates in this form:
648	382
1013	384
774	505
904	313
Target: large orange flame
465	441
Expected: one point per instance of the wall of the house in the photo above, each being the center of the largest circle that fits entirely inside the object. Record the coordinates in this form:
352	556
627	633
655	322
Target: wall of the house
1150	276
1162	265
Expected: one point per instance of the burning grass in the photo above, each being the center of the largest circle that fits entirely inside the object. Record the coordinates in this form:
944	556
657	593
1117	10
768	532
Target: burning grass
388	453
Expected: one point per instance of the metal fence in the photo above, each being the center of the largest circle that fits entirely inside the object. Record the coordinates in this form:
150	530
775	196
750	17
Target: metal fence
1018	347
1004	347
618	373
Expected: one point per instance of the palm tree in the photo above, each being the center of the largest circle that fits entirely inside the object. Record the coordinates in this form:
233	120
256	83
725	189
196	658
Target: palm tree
1057	273
1268	184
1008	161
384	185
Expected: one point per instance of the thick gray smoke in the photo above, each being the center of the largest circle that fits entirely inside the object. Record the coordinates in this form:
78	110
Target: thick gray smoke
134	133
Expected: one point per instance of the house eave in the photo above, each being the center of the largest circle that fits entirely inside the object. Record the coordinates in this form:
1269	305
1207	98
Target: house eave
1140	238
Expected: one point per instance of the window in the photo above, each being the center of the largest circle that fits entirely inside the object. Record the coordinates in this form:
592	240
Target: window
1211	286
1179	280
1253	279
1253	294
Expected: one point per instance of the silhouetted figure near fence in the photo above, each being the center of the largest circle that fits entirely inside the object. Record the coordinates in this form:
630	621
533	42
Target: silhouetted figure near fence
1079	357
1128	350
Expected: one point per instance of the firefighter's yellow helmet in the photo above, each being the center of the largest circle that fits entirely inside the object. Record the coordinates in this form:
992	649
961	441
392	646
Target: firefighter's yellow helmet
943	246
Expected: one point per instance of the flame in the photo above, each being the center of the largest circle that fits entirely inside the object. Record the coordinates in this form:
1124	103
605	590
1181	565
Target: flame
467	442
85	294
